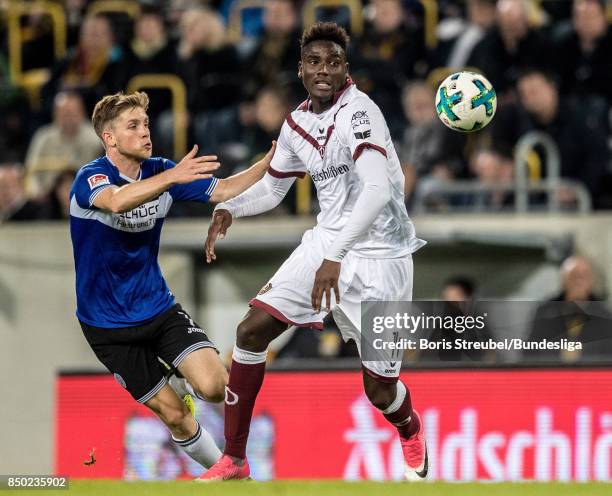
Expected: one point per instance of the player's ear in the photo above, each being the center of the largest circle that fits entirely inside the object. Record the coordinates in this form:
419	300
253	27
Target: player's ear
108	138
300	69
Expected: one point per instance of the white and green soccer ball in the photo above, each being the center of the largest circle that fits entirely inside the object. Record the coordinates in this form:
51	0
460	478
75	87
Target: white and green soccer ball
466	101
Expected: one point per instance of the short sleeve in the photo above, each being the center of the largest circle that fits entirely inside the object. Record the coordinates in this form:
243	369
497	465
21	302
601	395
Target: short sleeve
285	162
89	183
362	126
196	191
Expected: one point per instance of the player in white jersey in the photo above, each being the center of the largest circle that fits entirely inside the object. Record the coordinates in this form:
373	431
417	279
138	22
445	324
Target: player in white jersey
360	248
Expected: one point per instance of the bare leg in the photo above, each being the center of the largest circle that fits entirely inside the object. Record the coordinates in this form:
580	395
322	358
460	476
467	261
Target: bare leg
392	398
186	431
206	373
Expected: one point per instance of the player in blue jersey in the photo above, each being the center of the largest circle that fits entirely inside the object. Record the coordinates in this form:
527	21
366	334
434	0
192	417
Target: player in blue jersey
128	315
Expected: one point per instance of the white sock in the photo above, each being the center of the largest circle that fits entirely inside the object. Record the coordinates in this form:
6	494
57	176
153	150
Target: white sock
399	399
249	357
200	447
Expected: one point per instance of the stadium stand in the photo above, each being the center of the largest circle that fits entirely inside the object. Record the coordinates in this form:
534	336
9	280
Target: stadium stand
248	45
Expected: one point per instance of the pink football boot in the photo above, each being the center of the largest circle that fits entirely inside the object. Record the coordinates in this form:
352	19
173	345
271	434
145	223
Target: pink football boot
415	454
226	469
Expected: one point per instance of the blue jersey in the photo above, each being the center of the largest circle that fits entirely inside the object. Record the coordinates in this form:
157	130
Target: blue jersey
118	279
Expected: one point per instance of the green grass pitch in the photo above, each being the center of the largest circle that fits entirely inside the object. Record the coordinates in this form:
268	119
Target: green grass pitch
314	488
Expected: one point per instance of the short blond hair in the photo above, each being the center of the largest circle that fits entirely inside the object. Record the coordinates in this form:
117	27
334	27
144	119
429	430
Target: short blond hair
107	109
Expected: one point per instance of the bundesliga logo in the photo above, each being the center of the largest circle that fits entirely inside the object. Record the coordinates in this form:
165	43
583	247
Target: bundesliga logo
97	180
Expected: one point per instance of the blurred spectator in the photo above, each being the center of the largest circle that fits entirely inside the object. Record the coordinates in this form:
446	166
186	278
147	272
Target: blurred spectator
510	46
577	280
209	67
492	167
458	297
271	108
151	51
583	55
430	153
15	122
458	288
94	68
574	314
578	127
242	132
75	11
388	53
251	22
556	10
459	293
274	58
457	37
69	142
58	200
207	62
15	205
37	36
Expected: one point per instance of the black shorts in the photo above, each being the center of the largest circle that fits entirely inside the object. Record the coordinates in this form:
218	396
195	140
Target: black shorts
131	353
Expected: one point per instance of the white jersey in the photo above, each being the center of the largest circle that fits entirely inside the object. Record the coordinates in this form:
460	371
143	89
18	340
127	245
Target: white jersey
326	146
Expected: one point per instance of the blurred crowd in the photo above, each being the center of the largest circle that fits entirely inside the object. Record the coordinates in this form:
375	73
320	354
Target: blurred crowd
549	61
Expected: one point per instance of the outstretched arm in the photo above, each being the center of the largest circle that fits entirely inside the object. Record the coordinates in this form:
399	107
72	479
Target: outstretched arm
264	195
125	198
236	184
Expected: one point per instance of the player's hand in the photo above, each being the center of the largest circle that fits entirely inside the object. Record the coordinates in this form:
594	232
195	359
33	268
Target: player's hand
264	163
219	225
326	280
261	166
192	168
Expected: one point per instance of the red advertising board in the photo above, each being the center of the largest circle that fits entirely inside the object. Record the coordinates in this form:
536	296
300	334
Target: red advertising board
480	424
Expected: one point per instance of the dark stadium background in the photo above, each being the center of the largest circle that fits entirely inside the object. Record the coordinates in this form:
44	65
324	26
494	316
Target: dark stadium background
501	209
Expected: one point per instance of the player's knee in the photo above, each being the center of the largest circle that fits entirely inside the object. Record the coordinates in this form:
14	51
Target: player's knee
174	416
380	394
216	395
213	389
249	337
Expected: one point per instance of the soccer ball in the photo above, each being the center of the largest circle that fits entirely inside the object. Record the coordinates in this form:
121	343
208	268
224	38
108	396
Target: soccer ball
466	101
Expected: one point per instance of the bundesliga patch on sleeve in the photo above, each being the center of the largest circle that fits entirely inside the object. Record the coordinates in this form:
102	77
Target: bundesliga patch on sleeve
97	180
360	122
